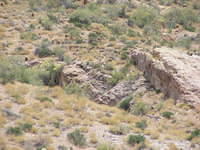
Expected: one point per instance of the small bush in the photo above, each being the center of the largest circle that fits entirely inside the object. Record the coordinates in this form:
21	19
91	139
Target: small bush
74	88
135	139
74	32
77	138
115	11
118	29
29	36
84	17
116	77
142	17
26	127
45	99
95	37
12	69
43	50
119	129
105	146
59	52
14	131
142	124
48	21
167	114
184	42
52	74
183	16
167	2
195	133
125	103
140	108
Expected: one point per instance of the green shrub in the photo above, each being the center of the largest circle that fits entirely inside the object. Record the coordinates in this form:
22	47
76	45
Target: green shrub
14	131
45	99
83	17
118	29
74	88
43	49
142	17
195	133
28	36
105	146
74	32
184	42
116	77
120	129
35	4
52	74
26	127
12	69
125	103
183	16
140	108
167	114
77	138
59	52
135	139
48	21
95	37
142	124
167	2
115	11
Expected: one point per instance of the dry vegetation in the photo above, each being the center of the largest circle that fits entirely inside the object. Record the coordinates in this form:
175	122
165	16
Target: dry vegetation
36	113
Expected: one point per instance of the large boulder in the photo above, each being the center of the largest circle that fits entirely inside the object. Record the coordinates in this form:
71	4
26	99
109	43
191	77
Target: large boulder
173	72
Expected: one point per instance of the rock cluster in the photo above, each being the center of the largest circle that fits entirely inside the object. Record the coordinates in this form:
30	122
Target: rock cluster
173	72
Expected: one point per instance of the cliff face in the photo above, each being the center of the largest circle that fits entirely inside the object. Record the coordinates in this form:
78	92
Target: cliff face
173	72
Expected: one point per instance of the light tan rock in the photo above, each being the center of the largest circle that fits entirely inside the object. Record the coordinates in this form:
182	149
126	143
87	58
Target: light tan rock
175	73
72	73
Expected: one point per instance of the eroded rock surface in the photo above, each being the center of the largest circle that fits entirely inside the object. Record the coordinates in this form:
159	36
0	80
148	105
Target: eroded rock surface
175	73
98	87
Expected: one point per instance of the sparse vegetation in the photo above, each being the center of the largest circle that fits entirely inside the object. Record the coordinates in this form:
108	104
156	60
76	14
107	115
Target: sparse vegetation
142	124
77	138
135	139
14	131
83	17
195	133
105	146
142	17
43	50
185	17
38	38
167	114
140	108
125	103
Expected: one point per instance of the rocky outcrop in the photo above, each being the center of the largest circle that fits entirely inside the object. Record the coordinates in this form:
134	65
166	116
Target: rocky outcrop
173	72
121	90
96	82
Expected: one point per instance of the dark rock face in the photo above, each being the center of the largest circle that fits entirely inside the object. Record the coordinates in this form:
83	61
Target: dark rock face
176	74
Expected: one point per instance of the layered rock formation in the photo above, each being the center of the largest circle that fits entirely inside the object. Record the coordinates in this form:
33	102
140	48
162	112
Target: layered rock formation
173	72
98	87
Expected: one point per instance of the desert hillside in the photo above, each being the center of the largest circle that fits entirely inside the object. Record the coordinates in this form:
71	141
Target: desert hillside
99	75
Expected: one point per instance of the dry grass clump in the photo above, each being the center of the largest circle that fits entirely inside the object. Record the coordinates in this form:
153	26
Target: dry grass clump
2	120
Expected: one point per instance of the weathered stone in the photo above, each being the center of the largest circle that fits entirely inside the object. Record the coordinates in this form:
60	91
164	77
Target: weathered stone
122	90
175	73
73	73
